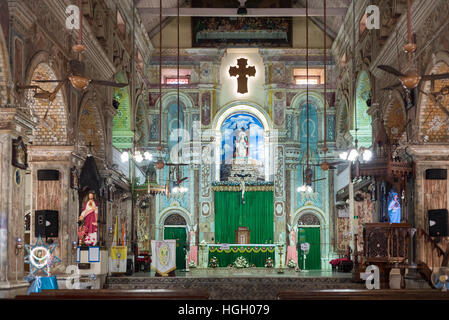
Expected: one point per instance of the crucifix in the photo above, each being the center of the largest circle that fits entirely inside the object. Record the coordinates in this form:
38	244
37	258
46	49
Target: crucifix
242	72
242	183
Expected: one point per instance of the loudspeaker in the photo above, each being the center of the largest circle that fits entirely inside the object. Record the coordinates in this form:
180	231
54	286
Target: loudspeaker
438	224
436	174
129	267
39	223
47	175
46	223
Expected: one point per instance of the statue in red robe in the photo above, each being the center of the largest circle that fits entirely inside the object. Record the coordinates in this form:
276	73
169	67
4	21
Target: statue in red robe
89	217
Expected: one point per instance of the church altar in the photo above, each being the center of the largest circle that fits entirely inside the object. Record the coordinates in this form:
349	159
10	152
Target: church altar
226	254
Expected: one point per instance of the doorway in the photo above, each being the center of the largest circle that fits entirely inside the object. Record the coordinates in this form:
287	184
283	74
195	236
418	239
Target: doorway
179	234
309	235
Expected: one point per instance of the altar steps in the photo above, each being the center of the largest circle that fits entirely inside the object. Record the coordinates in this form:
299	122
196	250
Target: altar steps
234	288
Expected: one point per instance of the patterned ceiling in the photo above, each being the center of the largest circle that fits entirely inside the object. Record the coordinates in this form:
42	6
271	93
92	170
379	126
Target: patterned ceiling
151	22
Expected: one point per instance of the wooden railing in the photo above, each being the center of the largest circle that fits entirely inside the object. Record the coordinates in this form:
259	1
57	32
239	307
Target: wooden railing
435	253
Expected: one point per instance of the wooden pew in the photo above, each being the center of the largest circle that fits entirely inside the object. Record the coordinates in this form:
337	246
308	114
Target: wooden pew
355	294
112	294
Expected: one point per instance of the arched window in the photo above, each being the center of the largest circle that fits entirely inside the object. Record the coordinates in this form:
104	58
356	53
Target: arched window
175	220
308	219
361	119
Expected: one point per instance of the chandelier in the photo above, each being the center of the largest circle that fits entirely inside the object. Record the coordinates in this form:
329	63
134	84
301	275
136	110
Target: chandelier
355	153
136	155
307	187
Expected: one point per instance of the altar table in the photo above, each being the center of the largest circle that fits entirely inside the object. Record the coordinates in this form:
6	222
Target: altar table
256	254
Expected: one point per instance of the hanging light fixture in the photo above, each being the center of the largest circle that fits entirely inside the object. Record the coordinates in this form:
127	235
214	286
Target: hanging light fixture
307	186
160	162
178	189
137	155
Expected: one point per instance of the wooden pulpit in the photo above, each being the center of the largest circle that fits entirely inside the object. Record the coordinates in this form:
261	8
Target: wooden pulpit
242	235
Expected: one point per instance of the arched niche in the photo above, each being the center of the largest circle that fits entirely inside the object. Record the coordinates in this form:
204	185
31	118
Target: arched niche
253	114
316	111
395	118
142	125
344	138
91	129
432	121
361	118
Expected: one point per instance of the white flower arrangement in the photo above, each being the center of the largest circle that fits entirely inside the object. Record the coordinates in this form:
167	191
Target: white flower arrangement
192	264
291	263
269	263
241	262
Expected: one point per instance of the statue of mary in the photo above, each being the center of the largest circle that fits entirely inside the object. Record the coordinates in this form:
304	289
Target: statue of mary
241	145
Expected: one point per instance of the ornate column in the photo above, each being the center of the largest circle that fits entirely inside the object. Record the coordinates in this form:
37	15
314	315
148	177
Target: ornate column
278	156
13	124
206	216
291	168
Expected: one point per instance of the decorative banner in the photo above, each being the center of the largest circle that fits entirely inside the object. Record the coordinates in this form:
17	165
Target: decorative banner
118	252
240	249
164	253
117	262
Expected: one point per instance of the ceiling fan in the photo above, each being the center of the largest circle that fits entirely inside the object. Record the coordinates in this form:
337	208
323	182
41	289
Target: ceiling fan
77	73
410	79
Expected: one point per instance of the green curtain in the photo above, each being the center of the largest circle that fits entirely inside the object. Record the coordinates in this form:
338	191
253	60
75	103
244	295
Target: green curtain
178	233
256	214
313	258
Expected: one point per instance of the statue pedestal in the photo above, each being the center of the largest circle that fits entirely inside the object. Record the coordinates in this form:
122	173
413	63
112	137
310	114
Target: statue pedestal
193	255
292	253
244	166
93	260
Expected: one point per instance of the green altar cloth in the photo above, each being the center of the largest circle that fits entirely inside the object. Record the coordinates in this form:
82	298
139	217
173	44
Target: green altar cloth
256	255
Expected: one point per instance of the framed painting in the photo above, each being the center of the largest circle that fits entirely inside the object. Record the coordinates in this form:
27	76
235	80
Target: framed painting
19	153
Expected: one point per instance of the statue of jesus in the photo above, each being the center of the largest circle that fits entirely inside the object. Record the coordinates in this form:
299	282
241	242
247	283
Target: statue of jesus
88	216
